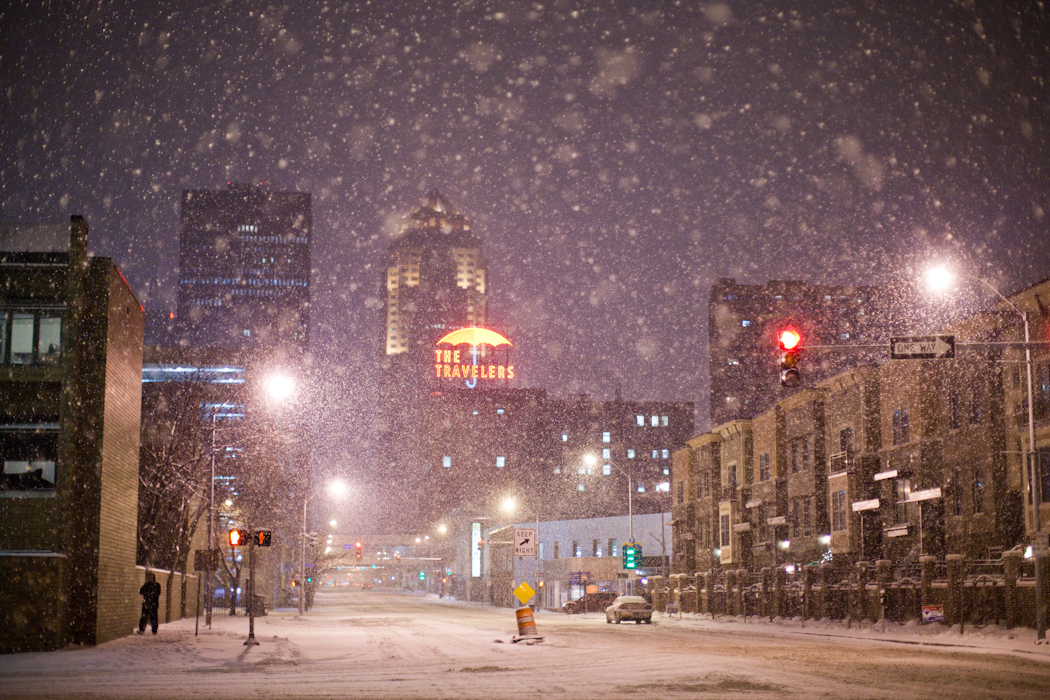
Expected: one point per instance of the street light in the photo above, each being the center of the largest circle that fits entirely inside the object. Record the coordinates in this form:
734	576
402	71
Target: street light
336	488
509	506
940	278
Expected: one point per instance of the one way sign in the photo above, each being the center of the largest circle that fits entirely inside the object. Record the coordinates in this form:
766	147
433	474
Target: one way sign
922	347
525	542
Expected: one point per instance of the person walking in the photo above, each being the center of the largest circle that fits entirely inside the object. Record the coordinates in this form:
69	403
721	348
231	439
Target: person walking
150	593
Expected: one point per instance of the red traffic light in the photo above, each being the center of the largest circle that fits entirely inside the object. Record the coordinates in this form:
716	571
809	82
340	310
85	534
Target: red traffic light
789	339
357	549
236	538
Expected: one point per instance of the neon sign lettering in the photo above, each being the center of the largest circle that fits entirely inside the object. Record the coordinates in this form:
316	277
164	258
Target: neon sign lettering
451	364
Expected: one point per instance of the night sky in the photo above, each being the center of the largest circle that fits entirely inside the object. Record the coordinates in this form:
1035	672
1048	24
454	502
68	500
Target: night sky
616	157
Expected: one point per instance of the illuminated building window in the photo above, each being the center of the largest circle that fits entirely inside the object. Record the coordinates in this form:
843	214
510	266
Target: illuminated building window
564	437
667	472
606	469
582	470
606	453
500	411
654	421
641	488
663	421
640	419
630	454
656	454
579	487
501	461
665	453
746	323
446	461
606	436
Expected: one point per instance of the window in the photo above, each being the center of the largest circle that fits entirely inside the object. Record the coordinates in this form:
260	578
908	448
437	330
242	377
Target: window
564	437
557	547
681	492
663	421
838	510
665	453
579	487
900	426
802	517
763	467
606	436
975	405
446	461
846	440
957	498
640	419
731	473
799	455
29	454
953	408
641	488
501	461
35	337
630	453
978	490
612	547
606	453
746	323
654	421
723	531
656	454
500	411
577	551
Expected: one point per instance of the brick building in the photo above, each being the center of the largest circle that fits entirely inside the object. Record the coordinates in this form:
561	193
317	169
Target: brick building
70	388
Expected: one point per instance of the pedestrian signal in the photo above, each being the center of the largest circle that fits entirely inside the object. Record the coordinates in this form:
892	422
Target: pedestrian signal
236	538
262	538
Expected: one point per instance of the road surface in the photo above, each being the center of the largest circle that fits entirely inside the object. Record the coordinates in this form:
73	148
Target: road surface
391	645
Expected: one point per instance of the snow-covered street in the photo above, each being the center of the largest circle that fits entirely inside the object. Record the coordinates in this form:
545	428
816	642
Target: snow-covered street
386	645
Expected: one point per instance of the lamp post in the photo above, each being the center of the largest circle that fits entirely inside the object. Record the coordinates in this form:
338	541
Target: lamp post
940	278
509	506
591	460
336	488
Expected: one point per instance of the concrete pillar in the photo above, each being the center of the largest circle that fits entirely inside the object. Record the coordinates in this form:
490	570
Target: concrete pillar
779	592
860	604
659	593
767	589
743	580
953	610
1011	572
926	564
827	577
809	578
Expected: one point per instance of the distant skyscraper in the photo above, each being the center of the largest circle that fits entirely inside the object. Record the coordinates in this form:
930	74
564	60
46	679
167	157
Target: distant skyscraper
435	278
244	268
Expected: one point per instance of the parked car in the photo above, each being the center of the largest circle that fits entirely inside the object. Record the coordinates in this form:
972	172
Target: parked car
590	602
629	607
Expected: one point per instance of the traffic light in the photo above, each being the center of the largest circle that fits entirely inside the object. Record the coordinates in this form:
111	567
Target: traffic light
632	555
357	549
236	538
422	575
790	345
262	538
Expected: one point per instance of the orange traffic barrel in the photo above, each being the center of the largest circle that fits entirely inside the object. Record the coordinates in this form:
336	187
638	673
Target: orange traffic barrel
526	625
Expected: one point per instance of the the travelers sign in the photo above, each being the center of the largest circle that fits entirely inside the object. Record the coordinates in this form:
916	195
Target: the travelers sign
452	363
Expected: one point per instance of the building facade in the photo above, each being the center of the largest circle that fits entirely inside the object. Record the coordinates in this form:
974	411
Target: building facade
244	268
897	460
70	387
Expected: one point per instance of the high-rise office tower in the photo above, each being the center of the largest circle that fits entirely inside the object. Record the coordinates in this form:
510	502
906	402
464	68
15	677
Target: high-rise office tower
244	268
435	278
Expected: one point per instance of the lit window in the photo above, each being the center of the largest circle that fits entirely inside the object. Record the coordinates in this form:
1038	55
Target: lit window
746	323
564	437
654	421
500	411
665	453
640	420
247	333
582	470
606	469
446	461
579	487
667	472
606	436
641	488
656	454
663	421
606	453
501	461
630	454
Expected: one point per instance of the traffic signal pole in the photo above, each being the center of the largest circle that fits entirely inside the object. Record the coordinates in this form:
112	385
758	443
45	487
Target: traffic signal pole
251	640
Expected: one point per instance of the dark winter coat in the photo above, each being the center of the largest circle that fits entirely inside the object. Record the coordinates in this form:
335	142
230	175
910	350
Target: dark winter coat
150	593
